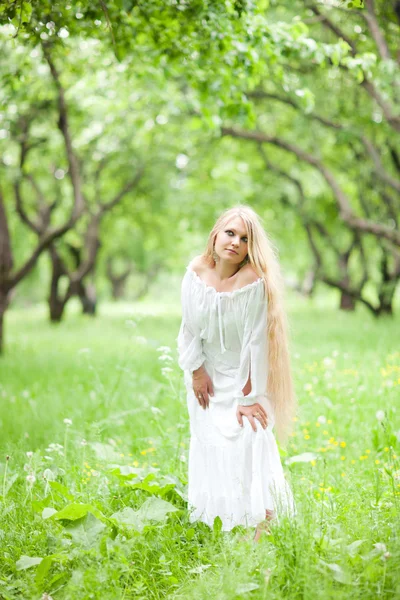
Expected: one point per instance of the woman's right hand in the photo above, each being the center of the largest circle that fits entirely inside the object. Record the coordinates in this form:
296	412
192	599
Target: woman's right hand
202	386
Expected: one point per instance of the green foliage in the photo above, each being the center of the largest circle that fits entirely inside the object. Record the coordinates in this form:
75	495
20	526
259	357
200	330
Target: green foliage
106	513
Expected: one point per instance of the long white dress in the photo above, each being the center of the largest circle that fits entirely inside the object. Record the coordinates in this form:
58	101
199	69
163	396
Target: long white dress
234	472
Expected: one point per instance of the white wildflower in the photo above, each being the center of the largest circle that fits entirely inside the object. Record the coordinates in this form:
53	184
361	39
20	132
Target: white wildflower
380	415
182	458
27	467
83	442
49	475
92	395
25	394
67	422
166	370
29	454
380	547
57	448
165	357
155	410
31	479
321	419
387	555
165	349
328	362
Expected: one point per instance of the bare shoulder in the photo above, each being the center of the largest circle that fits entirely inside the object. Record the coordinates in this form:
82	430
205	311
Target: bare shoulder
198	264
247	275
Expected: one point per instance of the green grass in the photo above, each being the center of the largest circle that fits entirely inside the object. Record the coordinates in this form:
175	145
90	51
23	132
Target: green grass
127	448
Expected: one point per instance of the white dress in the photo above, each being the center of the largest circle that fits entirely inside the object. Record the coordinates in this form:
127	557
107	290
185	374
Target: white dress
234	472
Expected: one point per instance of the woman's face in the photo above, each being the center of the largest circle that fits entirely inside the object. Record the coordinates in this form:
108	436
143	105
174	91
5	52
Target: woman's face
231	242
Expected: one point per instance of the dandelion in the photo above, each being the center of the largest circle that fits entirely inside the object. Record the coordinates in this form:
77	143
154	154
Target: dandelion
306	437
377	462
57	448
343	444
380	415
342	458
343	474
31	479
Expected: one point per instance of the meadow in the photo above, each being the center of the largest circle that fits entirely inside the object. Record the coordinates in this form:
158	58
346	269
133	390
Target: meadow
93	463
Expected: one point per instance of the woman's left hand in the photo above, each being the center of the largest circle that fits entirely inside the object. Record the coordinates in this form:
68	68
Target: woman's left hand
254	411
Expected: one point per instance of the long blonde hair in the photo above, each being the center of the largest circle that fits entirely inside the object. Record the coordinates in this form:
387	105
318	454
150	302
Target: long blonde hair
263	257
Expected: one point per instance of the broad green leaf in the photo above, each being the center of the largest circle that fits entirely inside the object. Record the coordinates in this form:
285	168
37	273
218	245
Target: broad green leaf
43	569
129	518
244	588
217	525
353	547
26	562
59	487
86	531
155	509
72	512
48	512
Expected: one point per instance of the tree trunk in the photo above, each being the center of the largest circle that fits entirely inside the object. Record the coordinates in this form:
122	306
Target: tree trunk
56	309
55	302
87	296
118	287
3	308
347	302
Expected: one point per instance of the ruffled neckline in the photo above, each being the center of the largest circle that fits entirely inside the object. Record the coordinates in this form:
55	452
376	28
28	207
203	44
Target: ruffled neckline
241	290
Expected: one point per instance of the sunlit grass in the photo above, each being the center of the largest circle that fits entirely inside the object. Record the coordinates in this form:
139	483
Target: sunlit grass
94	423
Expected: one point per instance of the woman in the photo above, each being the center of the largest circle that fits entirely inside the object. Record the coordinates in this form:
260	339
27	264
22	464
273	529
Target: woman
233	349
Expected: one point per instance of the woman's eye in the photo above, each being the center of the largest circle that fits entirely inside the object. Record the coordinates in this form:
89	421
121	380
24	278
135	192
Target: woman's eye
245	240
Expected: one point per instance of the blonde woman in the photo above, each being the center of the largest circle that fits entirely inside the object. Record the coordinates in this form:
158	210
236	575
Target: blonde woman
233	349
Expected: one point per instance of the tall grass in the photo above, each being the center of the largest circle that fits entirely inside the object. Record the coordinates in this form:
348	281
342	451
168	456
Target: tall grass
101	501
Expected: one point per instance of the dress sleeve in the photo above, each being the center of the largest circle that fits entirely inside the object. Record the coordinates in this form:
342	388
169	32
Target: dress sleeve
254	353
190	348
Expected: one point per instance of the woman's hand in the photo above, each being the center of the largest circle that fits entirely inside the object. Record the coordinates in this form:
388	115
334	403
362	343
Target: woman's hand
253	411
202	386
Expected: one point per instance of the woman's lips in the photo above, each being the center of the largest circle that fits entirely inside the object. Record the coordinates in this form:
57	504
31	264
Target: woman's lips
233	252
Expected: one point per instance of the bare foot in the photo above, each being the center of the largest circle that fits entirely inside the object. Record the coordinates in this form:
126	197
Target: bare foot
263	527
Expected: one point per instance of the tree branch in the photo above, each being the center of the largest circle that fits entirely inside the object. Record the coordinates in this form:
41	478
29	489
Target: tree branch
63	125
345	210
379	168
376	32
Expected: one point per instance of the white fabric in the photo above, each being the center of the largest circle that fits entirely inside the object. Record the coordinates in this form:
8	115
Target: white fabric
234	472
